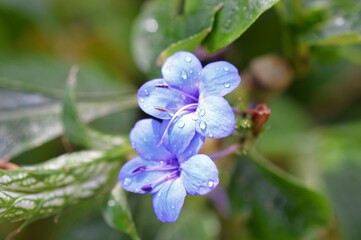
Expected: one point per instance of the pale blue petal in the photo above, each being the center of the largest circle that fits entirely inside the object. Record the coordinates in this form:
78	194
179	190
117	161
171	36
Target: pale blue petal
181	71
145	138
180	133
216	117
168	201
133	181
218	79
194	147
151	97
199	174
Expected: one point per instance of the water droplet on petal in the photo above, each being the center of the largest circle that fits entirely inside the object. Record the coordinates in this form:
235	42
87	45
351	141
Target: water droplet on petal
202	112
171	114
173	206
151	25
127	181
195	116
188	59
145	105
210	135
146	92
161	162
210	183
203	125
225	69
226	85
217	69
141	99
191	71
181	124
184	75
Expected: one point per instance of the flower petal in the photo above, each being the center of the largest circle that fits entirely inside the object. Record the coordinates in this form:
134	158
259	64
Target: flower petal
145	138
168	201
215	117
199	174
181	71
218	79
194	147
180	133
133	181
152	98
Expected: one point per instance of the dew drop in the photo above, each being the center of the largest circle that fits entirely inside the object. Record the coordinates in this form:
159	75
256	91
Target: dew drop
202	112
111	203
191	71
184	75
203	125
225	69
226	85
173	206
161	162
210	135
127	181
195	116
146	92
145	105
181	124
210	183
188	59
217	69
141	99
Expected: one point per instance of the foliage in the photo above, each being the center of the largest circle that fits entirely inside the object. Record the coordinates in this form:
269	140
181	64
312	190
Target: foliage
69	71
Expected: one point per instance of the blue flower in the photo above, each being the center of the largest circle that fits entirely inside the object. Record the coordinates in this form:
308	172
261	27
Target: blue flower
190	99
168	176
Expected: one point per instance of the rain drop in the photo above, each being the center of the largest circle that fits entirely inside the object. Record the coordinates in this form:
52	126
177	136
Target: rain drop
181	124
184	75
127	181
173	206
217	69
141	99
210	183
151	25
146	92
188	59
145	105
191	71
225	69
202	112
203	125
210	135
226	85
195	116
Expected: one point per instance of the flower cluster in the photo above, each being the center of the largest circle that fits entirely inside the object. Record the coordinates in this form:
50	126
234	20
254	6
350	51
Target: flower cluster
189	101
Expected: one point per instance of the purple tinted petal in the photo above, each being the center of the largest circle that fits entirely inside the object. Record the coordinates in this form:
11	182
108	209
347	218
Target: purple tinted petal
180	133
200	175
158	101
194	147
168	201
145	137
216	117
133	180
218	79
181	71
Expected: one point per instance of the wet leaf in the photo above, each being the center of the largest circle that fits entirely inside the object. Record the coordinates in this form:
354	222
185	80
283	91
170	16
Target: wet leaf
164	27
276	205
46	189
116	212
235	17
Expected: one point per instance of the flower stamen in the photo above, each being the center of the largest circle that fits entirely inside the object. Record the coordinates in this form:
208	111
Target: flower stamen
149	187
164	85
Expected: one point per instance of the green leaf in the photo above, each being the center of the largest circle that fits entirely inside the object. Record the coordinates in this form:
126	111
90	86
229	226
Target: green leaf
164	27
79	133
338	150
29	101
277	205
235	17
46	189
116	212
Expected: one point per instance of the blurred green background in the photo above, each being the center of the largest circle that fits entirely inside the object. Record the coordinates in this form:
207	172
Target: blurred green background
301	58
